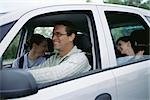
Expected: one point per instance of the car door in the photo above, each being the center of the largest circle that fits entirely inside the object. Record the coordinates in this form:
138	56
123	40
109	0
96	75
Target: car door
132	78
96	84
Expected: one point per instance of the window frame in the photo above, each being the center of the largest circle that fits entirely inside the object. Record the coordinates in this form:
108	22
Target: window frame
92	28
142	23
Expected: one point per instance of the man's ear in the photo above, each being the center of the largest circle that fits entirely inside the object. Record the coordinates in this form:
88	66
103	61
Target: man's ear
72	37
34	45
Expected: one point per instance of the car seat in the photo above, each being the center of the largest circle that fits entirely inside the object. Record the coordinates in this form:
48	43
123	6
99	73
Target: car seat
50	48
141	38
83	42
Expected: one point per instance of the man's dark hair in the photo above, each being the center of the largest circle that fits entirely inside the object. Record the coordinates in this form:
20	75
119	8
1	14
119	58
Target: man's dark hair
70	27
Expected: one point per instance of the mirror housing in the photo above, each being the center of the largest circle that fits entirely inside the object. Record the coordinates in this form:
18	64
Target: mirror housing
16	83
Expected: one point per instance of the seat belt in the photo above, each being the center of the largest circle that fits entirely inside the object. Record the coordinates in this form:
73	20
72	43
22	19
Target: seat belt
21	60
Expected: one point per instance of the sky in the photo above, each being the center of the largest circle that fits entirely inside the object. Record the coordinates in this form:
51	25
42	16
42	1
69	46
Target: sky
8	5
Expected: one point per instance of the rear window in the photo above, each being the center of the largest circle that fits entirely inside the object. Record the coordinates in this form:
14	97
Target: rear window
124	31
45	31
133	32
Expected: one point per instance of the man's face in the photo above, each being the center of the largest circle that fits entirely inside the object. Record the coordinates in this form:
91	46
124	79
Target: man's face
60	38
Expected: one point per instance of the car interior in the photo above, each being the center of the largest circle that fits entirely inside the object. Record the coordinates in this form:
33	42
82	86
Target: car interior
129	25
82	41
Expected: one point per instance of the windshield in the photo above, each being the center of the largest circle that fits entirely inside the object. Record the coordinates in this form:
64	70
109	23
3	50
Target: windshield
4	29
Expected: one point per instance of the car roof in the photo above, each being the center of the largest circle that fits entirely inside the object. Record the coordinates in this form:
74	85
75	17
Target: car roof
16	14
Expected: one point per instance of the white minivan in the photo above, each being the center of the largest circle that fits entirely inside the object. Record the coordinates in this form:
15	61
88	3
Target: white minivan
99	26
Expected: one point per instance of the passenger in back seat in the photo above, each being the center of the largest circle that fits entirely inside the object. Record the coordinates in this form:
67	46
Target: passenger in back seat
127	47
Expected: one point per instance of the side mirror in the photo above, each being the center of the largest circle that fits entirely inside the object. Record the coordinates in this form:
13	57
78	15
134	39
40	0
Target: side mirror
16	83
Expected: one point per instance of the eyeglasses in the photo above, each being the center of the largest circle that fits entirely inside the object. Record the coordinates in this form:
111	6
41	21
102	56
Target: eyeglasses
58	34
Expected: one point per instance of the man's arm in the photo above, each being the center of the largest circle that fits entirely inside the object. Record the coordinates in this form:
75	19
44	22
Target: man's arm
75	64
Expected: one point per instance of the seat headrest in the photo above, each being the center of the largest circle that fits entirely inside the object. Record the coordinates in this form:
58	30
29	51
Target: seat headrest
50	45
82	41
141	39
140	36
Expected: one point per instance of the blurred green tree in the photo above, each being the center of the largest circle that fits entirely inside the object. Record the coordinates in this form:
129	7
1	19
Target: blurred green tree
136	3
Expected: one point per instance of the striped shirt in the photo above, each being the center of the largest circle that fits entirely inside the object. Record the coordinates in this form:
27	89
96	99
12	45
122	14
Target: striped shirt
56	67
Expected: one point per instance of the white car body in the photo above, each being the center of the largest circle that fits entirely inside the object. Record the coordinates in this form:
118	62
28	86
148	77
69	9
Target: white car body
124	82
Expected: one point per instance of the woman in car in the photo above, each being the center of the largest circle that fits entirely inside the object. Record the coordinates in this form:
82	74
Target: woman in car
128	49
126	46
35	56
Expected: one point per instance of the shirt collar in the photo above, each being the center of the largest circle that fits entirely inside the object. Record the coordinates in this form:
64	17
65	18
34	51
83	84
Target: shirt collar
72	51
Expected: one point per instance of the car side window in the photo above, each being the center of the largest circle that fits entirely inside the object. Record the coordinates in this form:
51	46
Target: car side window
85	39
45	31
128	28
11	52
43	24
